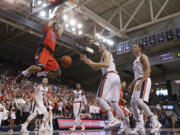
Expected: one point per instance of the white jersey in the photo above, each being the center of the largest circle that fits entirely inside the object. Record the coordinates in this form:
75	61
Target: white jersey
41	94
111	67
77	95
138	68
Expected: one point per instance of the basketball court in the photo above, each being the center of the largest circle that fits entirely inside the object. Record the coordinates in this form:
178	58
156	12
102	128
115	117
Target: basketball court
93	132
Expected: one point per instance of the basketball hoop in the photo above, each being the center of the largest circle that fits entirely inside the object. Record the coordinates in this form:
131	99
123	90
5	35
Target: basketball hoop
52	1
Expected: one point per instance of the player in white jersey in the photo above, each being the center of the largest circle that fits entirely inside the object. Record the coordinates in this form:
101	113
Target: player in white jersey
40	108
142	87
109	90
1	112
77	103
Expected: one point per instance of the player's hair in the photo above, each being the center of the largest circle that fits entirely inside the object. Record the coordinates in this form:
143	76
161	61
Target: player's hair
140	46
44	78
102	43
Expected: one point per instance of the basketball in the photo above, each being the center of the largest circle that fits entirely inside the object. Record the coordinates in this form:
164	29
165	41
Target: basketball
66	61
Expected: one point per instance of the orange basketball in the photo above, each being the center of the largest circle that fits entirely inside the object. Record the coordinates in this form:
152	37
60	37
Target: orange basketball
66	61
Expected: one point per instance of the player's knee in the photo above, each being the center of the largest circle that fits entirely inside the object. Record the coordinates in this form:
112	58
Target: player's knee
45	116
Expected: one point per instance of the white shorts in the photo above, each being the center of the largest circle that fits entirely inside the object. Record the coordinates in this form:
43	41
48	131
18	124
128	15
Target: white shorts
144	92
77	108
41	109
109	88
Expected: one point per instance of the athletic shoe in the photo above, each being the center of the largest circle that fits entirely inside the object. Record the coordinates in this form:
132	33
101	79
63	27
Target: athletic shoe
43	129
72	129
24	129
36	129
112	124
83	128
139	129
39	74
156	128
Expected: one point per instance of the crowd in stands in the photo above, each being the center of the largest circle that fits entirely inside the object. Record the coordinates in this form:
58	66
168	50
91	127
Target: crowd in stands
17	99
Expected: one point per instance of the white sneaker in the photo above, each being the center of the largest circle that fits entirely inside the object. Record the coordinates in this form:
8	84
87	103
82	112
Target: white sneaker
43	129
139	129
73	128
36	129
10	131
112	124
156	128
83	128
39	74
24	129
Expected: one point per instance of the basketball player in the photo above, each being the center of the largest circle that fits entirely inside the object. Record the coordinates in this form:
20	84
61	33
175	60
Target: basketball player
1	111
109	90
44	55
142	87
40	108
77	103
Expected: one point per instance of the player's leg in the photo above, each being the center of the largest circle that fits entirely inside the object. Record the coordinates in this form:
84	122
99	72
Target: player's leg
115	96
144	96
31	117
52	67
76	107
51	120
41	59
103	95
45	117
1	114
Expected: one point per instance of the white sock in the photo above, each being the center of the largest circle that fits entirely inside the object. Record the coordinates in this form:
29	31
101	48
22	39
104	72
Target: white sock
110	116
39	74
25	73
25	124
153	120
42	125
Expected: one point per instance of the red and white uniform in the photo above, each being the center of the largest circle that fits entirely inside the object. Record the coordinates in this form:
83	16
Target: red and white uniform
77	103
109	88
41	108
44	55
139	72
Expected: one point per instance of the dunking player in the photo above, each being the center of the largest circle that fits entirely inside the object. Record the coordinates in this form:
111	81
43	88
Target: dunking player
142	87
40	108
44	55
77	103
109	90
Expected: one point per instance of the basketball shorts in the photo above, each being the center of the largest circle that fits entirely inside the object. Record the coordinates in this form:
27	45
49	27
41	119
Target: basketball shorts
109	88
41	109
144	92
46	60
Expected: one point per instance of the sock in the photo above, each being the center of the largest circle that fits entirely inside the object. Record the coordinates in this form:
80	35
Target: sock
39	74
153	120
25	124
110	116
42	125
125	123
25	73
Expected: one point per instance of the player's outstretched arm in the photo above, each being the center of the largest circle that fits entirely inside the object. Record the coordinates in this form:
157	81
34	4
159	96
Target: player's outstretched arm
89	62
61	29
54	19
98	65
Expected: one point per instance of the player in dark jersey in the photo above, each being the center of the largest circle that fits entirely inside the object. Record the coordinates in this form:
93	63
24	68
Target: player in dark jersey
44	55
